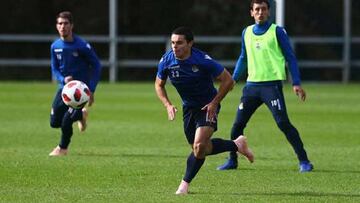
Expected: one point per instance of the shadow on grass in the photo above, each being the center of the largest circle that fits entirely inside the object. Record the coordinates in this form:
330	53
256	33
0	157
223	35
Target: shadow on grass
281	194
276	170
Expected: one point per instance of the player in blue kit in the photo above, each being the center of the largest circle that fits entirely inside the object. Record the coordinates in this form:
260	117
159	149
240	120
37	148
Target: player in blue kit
265	48
192	72
72	58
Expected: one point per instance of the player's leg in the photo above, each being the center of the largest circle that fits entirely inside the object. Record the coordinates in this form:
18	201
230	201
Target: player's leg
248	104
82	123
69	117
274	99
58	110
196	158
203	145
198	132
189	130
214	145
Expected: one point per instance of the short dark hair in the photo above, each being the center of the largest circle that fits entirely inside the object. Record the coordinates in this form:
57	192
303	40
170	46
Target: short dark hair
189	36
66	15
259	2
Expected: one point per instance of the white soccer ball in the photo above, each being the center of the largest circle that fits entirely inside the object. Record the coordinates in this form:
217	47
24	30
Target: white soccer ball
75	94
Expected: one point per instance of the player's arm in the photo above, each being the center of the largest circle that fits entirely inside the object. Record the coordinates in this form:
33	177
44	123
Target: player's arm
290	57
241	63
95	65
55	69
94	62
162	95
226	84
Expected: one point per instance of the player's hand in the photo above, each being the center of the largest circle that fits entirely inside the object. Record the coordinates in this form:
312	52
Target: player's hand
300	92
91	99
171	110
211	110
68	79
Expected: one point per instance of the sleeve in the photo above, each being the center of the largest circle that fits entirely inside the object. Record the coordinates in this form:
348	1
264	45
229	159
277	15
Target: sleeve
161	73
215	68
95	67
55	67
241	63
289	54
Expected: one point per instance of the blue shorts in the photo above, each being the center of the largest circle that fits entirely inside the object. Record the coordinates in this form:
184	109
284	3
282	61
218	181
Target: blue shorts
194	118
253	97
62	114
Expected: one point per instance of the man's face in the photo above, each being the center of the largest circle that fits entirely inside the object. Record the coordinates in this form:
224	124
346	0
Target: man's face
64	27
260	13
181	48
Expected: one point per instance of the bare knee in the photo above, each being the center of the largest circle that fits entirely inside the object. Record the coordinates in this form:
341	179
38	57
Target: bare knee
199	150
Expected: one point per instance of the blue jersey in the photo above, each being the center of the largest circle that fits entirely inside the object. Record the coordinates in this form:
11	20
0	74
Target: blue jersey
76	59
193	77
285	46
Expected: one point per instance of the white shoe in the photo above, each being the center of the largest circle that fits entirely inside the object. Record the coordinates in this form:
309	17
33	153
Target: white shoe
183	188
82	124
243	149
57	151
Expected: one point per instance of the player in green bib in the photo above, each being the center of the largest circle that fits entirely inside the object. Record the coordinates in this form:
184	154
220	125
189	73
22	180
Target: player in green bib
265	48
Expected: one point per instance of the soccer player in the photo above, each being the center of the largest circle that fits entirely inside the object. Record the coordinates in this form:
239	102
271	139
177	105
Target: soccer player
265	48
72	58
192	72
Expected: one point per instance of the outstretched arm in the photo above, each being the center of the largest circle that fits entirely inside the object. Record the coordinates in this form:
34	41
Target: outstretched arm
162	94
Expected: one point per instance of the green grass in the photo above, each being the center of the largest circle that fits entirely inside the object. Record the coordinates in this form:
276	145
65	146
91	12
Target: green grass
131	153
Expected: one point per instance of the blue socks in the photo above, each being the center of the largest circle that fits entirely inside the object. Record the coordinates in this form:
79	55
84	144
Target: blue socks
192	167
220	145
194	164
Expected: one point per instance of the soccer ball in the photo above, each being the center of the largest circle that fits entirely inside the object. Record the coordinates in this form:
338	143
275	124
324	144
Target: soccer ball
75	94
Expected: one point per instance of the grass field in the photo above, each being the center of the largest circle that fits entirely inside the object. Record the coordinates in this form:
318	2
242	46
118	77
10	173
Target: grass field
131	153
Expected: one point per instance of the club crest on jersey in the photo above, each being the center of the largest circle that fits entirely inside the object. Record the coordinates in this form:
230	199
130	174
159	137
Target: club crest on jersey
75	54
194	68
208	57
241	106
257	45
58	56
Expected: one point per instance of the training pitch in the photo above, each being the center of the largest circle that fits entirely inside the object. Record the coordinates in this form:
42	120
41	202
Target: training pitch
131	153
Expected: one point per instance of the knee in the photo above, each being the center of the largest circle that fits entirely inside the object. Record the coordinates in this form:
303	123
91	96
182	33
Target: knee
55	124
199	150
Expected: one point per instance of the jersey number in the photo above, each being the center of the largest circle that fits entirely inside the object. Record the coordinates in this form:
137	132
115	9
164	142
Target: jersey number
175	74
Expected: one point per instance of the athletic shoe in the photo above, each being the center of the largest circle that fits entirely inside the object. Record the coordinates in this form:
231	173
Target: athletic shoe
243	148
305	166
57	151
183	188
229	164
82	124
